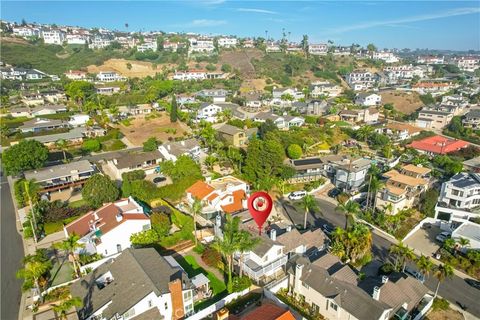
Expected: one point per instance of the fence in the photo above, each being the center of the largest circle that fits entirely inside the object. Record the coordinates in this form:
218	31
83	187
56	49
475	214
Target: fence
94	265
217	305
418	226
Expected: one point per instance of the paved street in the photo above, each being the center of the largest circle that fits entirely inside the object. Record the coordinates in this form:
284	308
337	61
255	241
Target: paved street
12	254
455	289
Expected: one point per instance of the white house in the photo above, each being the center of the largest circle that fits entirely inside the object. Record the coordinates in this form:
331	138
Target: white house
127	162
173	150
386	56
208	112
77	39
137	284
368	99
78	120
296	94
360	80
467	63
109	76
227	42
76	75
99	43
324	89
54	37
190	75
152	46
431	59
107	230
204	45
26	32
282	122
226	194
318	49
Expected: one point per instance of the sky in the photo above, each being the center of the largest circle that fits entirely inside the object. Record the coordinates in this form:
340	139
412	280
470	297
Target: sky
433	24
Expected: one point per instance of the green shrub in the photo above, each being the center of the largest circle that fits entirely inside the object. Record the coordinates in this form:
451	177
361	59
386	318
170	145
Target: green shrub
199	248
212	258
241	283
440	304
160	223
91	145
386	269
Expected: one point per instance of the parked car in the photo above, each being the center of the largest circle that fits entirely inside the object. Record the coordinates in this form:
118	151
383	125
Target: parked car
442	236
473	283
159	179
334	193
328	229
297	195
416	274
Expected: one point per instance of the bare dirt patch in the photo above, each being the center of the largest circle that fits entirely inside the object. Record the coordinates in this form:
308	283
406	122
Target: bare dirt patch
140	69
405	102
448	314
140	129
241	60
14	40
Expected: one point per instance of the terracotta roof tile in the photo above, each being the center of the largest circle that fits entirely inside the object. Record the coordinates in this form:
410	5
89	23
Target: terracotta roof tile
438	145
200	189
237	204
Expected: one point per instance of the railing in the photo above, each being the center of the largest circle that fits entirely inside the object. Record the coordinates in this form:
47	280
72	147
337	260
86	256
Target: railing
261	271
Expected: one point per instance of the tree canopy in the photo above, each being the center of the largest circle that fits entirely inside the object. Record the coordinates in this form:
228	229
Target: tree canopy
150	144
26	155
99	189
294	151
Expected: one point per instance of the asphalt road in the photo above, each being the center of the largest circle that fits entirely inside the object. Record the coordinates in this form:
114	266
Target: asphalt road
11	256
454	290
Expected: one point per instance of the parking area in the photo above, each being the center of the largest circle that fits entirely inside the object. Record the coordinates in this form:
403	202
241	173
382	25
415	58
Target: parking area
424	241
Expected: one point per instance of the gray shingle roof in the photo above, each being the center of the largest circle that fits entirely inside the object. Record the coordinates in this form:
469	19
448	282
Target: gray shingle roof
135	272
129	160
59	171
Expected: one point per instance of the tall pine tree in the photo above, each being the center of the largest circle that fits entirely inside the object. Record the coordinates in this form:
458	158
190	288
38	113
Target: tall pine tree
173	111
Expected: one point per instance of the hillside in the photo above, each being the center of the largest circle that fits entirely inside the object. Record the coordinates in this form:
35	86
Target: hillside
405	102
52	59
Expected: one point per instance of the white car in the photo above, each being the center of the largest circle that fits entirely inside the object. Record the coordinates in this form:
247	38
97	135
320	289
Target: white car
442	236
297	195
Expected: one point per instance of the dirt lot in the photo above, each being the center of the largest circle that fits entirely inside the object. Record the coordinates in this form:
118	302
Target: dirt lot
140	129
448	314
240	59
139	69
14	40
405	102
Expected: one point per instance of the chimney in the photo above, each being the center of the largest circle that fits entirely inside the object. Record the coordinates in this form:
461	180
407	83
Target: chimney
384	279
273	234
289	228
119	217
218	220
175	288
168	147
298	271
222	314
182	142
376	293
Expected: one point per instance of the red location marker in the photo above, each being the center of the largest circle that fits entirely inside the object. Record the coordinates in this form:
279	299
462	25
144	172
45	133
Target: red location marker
260	205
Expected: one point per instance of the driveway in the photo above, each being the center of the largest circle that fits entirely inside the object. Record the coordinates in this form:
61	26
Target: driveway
424	241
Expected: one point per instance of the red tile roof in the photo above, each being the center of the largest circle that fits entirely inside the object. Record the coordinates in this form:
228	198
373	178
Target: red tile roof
237	205
268	311
438	145
200	190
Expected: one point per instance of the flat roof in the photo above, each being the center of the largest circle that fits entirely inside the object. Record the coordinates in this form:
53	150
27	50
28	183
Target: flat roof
59	171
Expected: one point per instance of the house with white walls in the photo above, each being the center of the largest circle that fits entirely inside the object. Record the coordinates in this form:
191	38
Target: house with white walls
127	162
201	45
107	230
282	122
109	76
53	36
368	99
173	150
26	32
225	194
137	284
360	80
318	48
227	42
208	112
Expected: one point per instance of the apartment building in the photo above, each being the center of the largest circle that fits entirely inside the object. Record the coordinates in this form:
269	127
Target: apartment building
402	189
459	198
138	284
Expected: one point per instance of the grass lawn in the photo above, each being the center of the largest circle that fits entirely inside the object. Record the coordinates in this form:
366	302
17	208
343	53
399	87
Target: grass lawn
77	204
14	122
192	268
61	272
342	124
52	227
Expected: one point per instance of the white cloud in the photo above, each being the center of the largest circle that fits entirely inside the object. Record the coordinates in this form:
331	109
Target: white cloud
209	2
206	23
418	18
256	10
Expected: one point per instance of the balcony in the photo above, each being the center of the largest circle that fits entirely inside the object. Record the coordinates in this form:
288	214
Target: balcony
255	271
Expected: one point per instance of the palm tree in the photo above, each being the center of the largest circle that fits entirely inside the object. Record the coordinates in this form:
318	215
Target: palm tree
245	243
62	144
63	307
350	209
195	209
464	242
308	204
363	133
228	245
397	250
443	271
35	266
407	255
30	190
425	265
70	245
448	244
373	187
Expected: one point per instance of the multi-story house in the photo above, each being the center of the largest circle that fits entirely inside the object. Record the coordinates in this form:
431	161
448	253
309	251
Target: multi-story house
282	122
402	188
225	42
433	119
107	230
147	46
459	198
430	60
398	131
76	75
472	119
386	56
109	76
62	176
333	290
26	32
77	39
324	89
318	49
467	63
172	46
361	80
293	92
456	100
173	150
99	42
350	173
127	162
368	99
137	284
369	115
54	37
435	88
202	45
232	135
217	95
226	194
208	112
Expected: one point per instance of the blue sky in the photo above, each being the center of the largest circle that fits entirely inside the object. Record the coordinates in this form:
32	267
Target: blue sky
400	24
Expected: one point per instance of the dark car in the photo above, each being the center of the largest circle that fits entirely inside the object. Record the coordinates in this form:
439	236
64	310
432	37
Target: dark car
473	283
334	193
159	179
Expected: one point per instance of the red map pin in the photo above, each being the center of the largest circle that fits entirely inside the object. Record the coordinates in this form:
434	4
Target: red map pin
260	205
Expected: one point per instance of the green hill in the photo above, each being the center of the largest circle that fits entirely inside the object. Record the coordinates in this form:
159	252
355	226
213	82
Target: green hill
53	59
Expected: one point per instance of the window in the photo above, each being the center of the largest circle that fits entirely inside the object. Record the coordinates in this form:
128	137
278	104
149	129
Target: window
305	285
187	295
119	248
130	313
166	306
150	303
333	306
